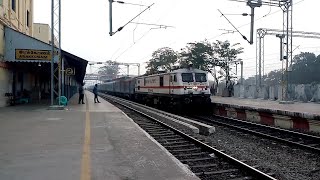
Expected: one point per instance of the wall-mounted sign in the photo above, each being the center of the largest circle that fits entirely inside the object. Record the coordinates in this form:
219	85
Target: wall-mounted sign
33	54
70	71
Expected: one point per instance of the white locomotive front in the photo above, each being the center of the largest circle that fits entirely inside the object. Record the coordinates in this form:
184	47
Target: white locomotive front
179	86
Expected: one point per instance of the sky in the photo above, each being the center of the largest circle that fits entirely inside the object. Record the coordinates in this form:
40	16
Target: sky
85	28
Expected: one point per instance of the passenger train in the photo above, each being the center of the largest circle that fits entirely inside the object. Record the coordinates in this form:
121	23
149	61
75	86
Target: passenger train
179	87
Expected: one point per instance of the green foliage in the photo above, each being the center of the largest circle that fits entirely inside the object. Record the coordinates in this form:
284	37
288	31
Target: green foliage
225	54
203	55
162	59
199	54
305	70
111	69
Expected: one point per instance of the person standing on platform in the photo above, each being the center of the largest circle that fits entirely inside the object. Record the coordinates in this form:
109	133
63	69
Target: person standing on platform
81	94
95	92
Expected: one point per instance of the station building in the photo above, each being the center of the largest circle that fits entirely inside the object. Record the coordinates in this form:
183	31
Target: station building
25	58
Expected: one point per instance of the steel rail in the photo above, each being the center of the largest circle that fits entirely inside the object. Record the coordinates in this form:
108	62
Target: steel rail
252	171
265	135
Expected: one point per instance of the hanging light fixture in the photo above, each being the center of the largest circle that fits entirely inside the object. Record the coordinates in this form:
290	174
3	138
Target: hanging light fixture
39	64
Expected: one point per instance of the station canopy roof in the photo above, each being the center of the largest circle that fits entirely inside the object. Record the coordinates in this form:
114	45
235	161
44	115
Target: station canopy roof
21	48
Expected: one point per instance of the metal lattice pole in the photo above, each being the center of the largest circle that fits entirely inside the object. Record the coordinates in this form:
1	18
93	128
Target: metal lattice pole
287	29
260	56
55	35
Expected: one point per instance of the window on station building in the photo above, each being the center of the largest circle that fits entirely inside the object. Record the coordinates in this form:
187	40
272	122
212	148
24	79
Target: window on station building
28	19
13	5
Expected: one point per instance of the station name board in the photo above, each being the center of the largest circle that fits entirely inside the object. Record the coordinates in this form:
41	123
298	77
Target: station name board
33	54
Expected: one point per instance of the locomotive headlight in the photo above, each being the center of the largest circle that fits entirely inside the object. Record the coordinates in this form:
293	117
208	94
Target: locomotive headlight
195	88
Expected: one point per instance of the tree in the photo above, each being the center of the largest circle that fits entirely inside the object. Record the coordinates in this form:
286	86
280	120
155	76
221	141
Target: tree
305	68
110	70
198	53
273	77
224	54
163	58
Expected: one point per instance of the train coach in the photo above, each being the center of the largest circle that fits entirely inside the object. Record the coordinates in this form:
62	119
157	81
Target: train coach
179	87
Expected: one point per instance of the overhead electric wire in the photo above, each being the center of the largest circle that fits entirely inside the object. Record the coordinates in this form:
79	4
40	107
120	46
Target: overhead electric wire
122	2
142	35
270	2
133	44
150	24
255	19
244	37
120	28
135	28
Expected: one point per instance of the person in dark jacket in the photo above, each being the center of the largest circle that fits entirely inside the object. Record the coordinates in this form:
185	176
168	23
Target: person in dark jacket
95	92
81	94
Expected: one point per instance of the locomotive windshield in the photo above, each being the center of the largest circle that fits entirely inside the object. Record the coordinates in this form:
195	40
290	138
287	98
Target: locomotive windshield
200	77
187	77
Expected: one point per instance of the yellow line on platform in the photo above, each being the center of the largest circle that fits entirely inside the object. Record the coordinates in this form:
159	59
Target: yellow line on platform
85	162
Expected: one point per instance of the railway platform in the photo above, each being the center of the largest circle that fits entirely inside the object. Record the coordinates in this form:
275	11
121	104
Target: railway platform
84	141
302	116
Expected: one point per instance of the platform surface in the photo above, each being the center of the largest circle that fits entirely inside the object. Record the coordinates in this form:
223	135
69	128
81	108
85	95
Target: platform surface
308	109
84	141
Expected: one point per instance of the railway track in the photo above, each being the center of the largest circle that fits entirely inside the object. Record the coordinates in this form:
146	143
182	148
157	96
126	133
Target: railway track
292	138
205	161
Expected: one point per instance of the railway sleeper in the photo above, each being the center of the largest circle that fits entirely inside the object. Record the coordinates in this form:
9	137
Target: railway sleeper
197	159
170	139
168	136
178	142
313	145
163	134
155	129
204	165
178	146
191	154
149	126
185	150
218	172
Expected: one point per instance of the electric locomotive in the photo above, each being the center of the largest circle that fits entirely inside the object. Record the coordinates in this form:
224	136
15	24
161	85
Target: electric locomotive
183	86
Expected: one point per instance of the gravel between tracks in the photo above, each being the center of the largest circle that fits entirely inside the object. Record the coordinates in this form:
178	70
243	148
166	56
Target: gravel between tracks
268	155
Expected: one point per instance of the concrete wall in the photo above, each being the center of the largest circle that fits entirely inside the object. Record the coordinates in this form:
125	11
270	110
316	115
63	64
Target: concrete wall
5	85
298	92
316	93
250	92
263	92
2	42
287	120
273	93
17	18
42	32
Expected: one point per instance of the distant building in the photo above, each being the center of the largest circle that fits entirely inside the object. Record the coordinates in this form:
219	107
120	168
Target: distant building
42	32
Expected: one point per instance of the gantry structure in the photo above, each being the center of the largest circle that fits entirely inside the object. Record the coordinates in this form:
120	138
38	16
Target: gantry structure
110	63
261	33
286	7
